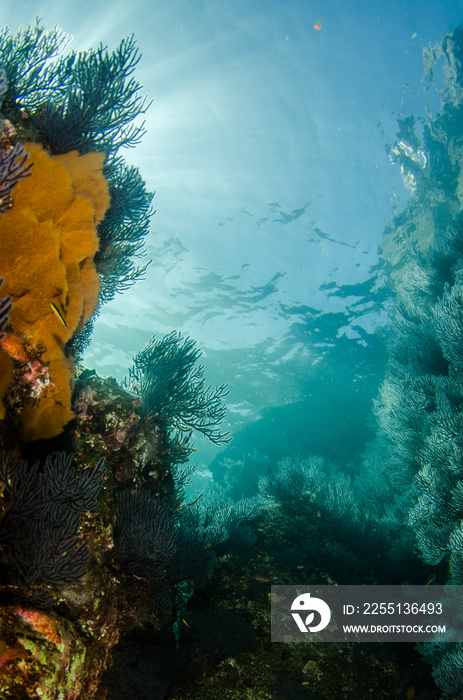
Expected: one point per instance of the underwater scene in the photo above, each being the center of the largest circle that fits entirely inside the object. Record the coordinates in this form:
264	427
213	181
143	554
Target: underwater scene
231	341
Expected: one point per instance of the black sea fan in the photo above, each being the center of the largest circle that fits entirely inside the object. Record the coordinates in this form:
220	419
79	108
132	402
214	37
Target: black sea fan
123	230
3	83
31	73
39	533
91	98
194	558
13	167
145	534
172	386
13	158
5	307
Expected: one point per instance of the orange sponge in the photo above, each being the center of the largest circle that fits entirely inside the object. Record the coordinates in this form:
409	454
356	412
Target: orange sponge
48	241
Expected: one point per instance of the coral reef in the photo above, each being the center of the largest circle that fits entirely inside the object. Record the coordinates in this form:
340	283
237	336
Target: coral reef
39	532
412	476
65	248
145	534
419	417
70	241
112	584
112	633
58	555
85	101
48	241
140	449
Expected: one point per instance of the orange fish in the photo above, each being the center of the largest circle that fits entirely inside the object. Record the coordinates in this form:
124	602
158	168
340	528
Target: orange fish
317	26
40	623
259	576
14	347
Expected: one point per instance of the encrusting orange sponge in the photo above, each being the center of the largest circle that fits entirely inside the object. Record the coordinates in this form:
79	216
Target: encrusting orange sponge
48	241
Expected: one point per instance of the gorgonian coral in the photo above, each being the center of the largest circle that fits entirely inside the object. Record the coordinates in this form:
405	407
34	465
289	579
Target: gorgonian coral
13	156
3	83
86	101
5	308
39	532
97	103
13	167
414	471
194	558
172	386
145	534
122	232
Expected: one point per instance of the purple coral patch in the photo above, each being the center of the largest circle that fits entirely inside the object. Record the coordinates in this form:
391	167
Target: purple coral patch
13	167
5	307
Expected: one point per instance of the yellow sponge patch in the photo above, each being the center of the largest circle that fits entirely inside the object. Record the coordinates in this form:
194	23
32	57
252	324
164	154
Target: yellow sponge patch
48	241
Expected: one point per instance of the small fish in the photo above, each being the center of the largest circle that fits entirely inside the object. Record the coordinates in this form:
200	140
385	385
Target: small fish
430	580
317	26
58	314
259	576
185	622
410	693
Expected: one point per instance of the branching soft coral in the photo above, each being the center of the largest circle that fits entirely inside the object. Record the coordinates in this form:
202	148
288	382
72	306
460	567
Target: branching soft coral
172	385
88	101
48	241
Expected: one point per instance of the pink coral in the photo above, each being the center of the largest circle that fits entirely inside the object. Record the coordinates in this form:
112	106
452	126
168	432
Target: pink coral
36	374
